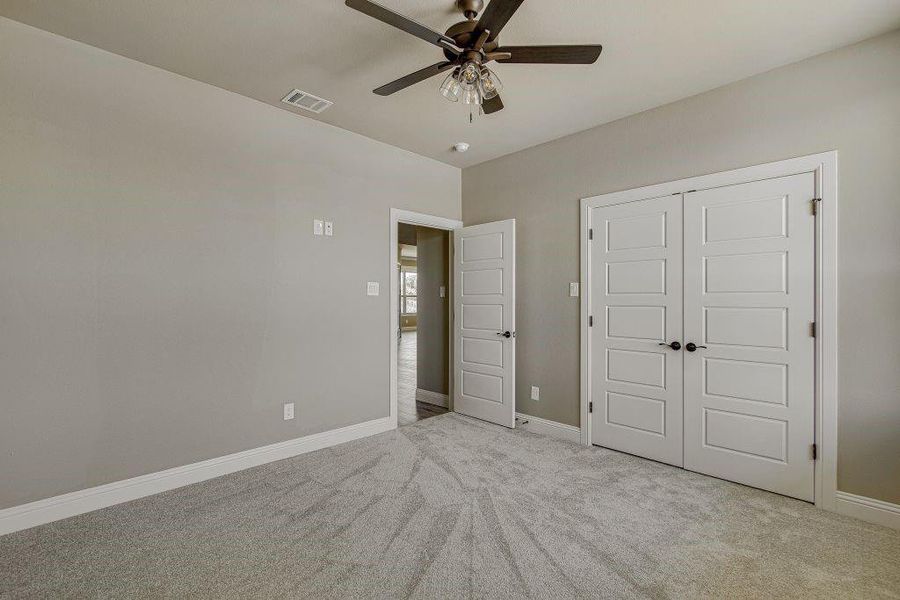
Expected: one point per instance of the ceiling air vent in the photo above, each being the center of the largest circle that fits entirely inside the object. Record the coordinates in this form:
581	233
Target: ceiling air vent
306	101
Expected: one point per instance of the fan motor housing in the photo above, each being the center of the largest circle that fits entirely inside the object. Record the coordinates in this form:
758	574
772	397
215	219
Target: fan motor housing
461	33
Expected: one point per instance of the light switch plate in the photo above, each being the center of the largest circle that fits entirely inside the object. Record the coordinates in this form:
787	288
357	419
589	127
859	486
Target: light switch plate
573	289
329	228
443	292
318	226
288	411
535	392
372	288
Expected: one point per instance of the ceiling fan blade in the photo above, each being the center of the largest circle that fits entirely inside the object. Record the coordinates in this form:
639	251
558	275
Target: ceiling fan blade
412	78
568	55
388	16
492	105
495	16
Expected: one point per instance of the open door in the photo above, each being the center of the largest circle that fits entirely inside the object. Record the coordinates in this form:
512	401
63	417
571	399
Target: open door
484	362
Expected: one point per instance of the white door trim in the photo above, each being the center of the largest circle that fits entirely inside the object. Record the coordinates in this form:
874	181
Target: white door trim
824	166
410	218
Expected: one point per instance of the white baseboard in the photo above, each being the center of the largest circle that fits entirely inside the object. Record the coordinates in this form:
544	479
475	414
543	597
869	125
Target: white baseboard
551	428
429	397
868	509
75	503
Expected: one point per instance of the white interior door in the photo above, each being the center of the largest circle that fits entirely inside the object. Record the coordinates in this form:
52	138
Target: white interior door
749	304
636	302
484	362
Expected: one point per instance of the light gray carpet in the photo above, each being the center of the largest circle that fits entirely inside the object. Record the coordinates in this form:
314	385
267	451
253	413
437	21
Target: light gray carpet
454	508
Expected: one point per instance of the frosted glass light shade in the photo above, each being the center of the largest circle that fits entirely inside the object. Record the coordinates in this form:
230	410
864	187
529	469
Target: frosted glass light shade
472	96
468	75
451	89
490	83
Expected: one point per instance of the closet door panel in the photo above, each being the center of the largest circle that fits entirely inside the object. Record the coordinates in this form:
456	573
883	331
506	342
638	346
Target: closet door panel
636	298
749	299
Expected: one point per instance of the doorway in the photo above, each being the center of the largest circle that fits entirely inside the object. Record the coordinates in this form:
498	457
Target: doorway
423	335
416	311
479	296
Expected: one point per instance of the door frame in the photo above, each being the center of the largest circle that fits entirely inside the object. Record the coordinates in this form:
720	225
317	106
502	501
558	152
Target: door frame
824	167
413	218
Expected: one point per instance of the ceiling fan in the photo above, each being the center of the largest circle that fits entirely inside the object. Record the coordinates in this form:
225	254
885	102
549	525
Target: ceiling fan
468	46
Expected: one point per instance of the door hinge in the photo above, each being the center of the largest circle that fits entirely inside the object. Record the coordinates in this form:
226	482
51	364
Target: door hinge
815	451
591	233
812	329
591	321
590	407
815	205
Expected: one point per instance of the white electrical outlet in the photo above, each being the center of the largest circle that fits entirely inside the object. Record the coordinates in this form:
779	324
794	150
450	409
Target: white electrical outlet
318	226
329	228
573	289
288	411
443	292
535	392
372	288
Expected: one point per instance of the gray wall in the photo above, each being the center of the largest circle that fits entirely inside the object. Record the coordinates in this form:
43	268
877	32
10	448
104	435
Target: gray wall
847	100
432	339
161	292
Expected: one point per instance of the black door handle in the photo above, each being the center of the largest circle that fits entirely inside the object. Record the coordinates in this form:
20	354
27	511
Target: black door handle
691	346
505	334
673	345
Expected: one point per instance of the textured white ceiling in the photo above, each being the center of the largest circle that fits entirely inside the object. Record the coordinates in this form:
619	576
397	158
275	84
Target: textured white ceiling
655	52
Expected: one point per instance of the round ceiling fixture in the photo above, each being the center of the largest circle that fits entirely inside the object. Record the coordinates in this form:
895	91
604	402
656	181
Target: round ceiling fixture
460	146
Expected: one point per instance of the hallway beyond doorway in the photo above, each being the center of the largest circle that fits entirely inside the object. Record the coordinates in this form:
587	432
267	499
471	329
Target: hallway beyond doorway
408	410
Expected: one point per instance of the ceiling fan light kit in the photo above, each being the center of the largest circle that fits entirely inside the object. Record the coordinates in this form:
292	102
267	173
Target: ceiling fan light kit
468	46
451	88
490	83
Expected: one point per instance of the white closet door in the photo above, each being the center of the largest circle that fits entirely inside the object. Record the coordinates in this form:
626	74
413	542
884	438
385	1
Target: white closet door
749	298
636	301
484	266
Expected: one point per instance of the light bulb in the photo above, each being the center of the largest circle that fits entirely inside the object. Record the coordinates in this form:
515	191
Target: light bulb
468	75
490	83
472	96
450	89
